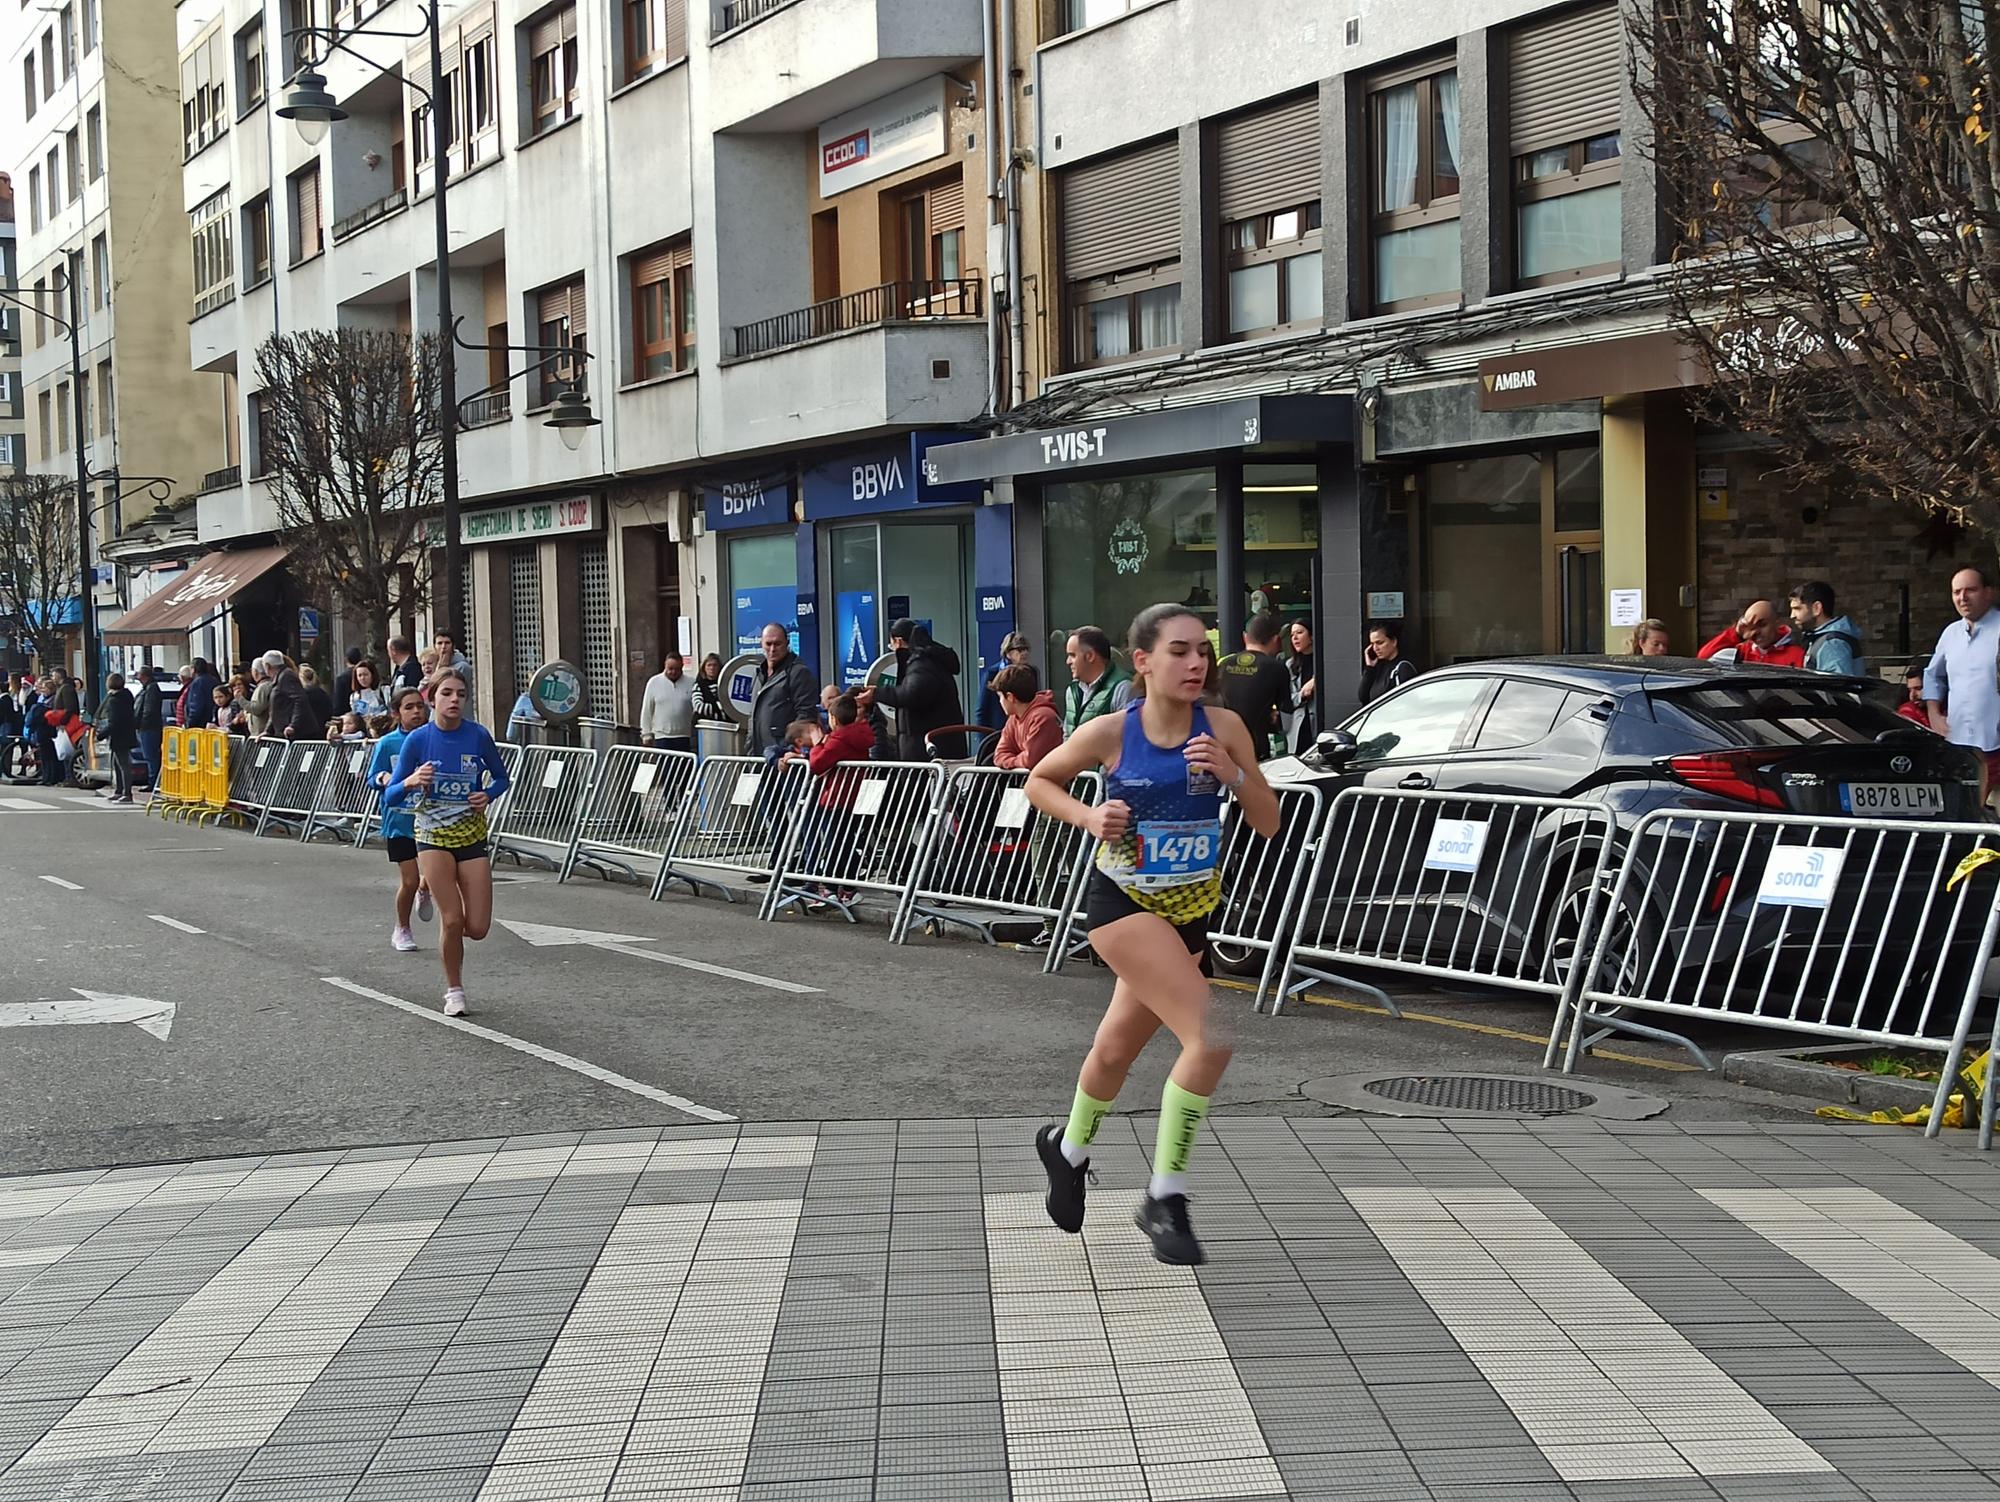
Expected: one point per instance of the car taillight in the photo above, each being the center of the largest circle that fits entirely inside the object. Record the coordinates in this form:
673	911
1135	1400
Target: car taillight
1727	774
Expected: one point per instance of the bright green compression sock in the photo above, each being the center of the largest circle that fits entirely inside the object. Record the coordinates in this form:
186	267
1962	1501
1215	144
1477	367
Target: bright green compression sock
1181	1114
1086	1114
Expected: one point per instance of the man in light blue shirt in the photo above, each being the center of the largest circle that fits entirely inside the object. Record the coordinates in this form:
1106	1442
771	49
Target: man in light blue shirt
1962	679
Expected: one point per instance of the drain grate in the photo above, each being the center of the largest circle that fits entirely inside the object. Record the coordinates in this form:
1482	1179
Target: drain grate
1472	1092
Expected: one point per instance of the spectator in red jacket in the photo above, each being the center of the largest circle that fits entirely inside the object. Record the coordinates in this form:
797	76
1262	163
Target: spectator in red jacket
1760	635
1034	725
1912	708
848	740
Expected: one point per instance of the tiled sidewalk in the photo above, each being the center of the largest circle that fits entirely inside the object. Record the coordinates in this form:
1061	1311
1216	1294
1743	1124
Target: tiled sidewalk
1490	1310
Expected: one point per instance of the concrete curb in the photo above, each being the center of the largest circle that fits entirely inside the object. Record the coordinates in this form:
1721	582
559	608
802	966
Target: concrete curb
1798	1072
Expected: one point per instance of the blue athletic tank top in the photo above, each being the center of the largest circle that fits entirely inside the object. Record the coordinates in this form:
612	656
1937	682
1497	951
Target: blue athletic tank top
1169	860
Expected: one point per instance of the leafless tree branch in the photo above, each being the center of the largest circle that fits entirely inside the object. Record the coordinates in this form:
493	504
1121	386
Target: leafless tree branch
38	558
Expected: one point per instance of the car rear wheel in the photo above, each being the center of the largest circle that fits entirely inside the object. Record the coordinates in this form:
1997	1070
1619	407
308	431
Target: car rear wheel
1634	928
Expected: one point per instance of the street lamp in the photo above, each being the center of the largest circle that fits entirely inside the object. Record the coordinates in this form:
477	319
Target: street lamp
312	108
569	412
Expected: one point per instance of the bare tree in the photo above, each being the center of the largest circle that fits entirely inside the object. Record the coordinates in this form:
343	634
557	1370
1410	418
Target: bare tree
38	559
351	441
1833	173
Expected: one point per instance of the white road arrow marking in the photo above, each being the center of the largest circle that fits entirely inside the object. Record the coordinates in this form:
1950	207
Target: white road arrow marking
156	1017
544	936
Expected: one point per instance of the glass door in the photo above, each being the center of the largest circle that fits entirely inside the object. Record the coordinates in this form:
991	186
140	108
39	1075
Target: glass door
1580	623
925	568
854	566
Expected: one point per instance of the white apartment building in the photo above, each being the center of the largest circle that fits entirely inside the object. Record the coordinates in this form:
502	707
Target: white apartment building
761	221
87	96
13	431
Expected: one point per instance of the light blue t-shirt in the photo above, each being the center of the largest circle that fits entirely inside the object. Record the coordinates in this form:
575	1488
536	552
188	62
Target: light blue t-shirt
398	823
467	761
1964	674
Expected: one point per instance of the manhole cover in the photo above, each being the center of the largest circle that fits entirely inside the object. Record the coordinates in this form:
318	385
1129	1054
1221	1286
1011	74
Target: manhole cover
1472	1092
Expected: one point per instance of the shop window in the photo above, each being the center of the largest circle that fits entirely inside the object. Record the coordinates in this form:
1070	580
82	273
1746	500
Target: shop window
1565	86
257	241
307	230
214	258
763	586
552	69
663	310
560	324
931	221
1414	133
1274	271
655	36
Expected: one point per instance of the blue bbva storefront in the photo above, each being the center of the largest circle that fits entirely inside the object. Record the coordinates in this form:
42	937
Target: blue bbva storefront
851	541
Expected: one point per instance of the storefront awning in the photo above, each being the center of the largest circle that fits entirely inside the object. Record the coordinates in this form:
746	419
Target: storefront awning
163	619
1182	434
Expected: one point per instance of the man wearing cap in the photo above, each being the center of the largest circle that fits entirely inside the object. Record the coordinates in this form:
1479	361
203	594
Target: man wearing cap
924	695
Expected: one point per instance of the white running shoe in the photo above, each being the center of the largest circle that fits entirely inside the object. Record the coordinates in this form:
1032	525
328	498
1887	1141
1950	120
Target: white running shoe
402	941
454	1002
424	904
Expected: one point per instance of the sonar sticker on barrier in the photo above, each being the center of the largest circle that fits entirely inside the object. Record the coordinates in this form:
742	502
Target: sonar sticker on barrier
642	777
868	797
1800	876
1013	812
1456	845
745	792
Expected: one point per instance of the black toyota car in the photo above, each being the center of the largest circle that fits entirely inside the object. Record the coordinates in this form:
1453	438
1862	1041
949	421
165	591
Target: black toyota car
1634	735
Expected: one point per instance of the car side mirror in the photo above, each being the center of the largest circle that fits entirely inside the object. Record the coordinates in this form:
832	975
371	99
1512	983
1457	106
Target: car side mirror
1335	748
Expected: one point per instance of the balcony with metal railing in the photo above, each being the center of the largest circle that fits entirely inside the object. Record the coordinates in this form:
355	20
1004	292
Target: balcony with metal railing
386	206
484	411
892	302
226	478
872	362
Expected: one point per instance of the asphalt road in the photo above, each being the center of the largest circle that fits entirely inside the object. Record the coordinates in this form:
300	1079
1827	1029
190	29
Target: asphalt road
295	1026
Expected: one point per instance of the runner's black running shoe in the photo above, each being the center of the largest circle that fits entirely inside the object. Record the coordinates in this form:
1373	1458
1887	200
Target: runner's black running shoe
1165	1222
1065	1201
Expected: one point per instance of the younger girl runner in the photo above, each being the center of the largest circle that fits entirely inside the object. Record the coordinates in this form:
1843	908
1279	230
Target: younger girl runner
1167	761
449	771
399	829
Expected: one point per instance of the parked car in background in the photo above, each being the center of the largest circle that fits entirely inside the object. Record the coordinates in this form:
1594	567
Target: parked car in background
1630	736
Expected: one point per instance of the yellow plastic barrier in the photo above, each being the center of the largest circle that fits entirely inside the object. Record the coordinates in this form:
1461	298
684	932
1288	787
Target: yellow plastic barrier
167	792
215	779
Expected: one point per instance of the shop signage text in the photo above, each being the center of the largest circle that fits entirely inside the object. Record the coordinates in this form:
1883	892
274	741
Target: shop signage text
529	519
890	477
748	503
1074	447
885	136
1778	347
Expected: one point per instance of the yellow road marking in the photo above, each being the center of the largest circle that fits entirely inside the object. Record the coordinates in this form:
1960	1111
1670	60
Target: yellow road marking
1540	1040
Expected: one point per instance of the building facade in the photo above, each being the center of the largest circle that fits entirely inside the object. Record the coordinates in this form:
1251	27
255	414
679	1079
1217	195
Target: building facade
751	234
91	151
13	430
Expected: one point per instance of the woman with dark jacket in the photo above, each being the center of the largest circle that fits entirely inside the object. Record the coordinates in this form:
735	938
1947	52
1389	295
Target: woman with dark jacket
708	690
924	695
119	723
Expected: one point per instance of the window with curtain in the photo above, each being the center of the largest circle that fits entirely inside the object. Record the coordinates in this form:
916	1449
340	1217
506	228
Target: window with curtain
250	65
1274	271
1120	235
1414	229
663	310
552	68
1565	91
560	324
655	36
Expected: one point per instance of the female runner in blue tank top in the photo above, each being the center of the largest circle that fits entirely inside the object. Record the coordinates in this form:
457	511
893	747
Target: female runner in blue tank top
1167	760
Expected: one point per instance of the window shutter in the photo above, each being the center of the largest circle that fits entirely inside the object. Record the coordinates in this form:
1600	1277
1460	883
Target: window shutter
654	266
677	30
577	327
553	305
306	229
419	75
1565	78
1269	161
476	29
1122	213
947	206
552	31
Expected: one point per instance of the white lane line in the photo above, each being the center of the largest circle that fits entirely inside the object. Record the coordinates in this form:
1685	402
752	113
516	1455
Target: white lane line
723	972
57	881
186	928
30	805
1092	1333
534	1050
1943	1290
1608	1389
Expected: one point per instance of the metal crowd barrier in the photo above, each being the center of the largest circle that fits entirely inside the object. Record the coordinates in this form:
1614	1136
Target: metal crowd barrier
544	803
996	859
346	796
1482	888
634	806
733	821
296	788
1862	930
254	770
862	827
